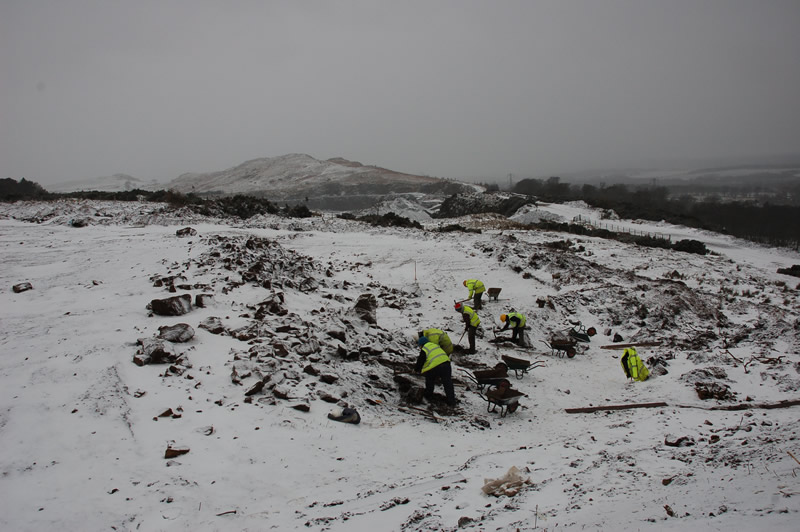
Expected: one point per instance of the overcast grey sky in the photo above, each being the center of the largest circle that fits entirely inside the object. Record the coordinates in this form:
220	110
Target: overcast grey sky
156	88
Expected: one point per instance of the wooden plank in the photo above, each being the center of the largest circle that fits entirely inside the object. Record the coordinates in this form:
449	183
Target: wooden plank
634	344
738	406
590	409
748	406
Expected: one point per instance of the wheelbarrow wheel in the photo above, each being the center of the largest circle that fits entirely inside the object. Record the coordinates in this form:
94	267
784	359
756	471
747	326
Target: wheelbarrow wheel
512	407
571	352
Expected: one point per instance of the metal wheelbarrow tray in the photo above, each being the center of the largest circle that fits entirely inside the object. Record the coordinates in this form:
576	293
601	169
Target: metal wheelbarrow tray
560	345
486	378
503	397
521	366
581	333
493	293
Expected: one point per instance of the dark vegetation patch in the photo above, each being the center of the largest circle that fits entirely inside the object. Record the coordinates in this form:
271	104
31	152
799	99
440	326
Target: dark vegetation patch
477	203
11	190
389	219
239	205
457	227
794	270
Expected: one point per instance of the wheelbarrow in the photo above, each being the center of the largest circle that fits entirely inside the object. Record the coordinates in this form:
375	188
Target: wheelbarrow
503	397
521	366
492	293
487	378
561	346
581	333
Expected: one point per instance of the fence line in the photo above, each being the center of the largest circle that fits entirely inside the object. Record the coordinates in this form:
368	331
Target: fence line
620	229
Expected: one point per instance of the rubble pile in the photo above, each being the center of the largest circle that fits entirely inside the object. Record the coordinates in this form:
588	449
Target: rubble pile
342	355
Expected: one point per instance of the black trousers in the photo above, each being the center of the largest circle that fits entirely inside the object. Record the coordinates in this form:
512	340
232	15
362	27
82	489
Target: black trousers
471	337
476	301
444	372
516	335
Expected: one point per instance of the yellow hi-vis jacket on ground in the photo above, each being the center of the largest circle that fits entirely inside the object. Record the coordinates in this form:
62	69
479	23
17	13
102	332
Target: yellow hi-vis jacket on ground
435	356
474	320
475	287
633	366
440	338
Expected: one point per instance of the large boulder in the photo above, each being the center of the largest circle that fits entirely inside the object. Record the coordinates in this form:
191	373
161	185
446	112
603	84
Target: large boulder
172	306
366	308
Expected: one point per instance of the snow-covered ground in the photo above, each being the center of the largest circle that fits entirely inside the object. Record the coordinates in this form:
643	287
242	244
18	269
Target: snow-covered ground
84	444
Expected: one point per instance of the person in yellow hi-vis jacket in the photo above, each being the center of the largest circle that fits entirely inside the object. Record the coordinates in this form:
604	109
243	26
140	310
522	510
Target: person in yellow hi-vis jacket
476	290
471	322
516	322
438	337
434	364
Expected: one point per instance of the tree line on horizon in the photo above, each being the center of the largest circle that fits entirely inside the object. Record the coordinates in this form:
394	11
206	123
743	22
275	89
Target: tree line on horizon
763	222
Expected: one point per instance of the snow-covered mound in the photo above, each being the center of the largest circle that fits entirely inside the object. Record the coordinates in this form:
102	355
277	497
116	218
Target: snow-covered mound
415	207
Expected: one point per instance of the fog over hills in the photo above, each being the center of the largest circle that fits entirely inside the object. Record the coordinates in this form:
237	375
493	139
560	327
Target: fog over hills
112	183
341	184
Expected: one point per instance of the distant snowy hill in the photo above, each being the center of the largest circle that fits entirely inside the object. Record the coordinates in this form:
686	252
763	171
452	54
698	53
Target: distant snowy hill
112	183
334	183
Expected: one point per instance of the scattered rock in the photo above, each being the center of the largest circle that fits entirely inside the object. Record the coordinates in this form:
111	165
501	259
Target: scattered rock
345	415
658	370
714	390
174	452
213	325
186	231
257	386
366	308
704	374
307	348
154	351
328	398
172	306
281	392
339	334
682	441
274	305
21	287
79	222
203	300
178	333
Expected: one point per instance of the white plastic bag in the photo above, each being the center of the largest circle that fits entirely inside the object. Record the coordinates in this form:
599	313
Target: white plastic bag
508	485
